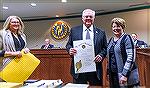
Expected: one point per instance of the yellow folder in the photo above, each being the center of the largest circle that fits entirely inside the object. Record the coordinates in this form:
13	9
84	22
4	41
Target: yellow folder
19	69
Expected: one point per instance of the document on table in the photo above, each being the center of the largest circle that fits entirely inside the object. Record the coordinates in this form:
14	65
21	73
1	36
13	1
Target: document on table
45	84
19	69
84	58
71	85
10	85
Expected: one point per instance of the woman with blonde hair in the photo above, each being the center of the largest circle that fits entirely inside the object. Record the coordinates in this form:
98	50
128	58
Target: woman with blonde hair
122	70
12	39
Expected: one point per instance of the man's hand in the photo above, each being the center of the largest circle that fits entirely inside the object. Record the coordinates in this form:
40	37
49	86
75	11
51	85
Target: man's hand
98	58
72	51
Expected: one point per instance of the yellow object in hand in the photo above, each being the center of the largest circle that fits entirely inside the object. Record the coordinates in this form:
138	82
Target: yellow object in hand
19	69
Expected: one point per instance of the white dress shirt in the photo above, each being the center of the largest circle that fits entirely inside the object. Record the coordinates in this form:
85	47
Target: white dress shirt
135	42
90	31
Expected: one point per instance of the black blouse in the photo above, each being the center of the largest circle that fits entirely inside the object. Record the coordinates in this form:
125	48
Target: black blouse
19	43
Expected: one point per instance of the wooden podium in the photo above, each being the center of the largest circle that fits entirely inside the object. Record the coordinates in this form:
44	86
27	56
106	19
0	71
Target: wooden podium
55	64
143	61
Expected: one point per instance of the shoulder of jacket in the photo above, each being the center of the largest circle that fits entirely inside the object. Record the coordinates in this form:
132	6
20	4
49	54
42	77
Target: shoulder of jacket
3	32
98	29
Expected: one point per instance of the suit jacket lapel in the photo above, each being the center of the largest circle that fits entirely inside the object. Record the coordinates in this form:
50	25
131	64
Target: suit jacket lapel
95	35
80	32
8	44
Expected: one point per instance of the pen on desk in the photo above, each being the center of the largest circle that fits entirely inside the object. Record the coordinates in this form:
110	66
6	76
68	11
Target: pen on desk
41	85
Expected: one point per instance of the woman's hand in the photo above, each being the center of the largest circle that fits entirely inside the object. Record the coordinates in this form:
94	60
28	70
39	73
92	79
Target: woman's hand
26	50
123	80
17	54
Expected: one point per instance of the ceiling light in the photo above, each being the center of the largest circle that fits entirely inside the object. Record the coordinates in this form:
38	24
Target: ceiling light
5	7
33	4
63	0
57	15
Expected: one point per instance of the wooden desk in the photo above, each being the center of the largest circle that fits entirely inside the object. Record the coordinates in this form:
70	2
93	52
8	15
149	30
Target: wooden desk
55	64
143	61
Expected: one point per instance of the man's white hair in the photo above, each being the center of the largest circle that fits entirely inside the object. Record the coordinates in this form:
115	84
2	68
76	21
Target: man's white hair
88	11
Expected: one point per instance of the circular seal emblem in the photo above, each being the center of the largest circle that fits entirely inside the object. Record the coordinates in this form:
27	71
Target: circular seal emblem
83	46
60	30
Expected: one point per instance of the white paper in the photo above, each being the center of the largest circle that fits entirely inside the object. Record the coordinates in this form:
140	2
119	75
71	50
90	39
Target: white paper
71	85
44	84
84	58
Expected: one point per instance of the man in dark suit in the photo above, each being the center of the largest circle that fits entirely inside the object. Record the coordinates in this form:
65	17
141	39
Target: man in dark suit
47	45
98	37
138	43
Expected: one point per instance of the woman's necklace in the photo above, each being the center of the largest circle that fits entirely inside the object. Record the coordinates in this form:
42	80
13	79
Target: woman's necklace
16	35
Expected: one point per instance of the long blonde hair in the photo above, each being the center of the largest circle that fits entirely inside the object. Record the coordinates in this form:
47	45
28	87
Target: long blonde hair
7	24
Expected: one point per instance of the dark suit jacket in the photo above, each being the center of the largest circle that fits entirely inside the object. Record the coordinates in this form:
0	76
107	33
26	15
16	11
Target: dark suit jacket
49	47
100	46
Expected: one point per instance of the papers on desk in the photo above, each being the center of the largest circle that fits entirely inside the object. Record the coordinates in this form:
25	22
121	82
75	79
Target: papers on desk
71	85
10	85
44	84
84	58
19	69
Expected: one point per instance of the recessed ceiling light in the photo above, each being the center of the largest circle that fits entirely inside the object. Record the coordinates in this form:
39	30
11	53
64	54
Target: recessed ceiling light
63	0
33	4
57	15
5	7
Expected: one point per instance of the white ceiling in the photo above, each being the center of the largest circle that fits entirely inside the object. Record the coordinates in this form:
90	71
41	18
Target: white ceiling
51	8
